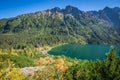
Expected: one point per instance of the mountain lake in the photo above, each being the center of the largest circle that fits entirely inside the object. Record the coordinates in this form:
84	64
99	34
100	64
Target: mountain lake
87	51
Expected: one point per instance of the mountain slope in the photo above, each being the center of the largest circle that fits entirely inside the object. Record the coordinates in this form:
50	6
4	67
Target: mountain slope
69	25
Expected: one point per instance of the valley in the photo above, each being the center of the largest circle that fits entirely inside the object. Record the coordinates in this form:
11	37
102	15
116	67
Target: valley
61	44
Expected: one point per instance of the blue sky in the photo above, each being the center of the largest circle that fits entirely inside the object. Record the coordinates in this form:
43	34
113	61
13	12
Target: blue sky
12	8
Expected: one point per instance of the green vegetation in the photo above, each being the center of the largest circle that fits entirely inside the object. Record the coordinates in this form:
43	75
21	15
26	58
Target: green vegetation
58	67
69	25
98	70
19	35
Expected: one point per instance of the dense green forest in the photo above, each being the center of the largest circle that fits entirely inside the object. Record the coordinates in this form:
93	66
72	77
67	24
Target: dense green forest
69	25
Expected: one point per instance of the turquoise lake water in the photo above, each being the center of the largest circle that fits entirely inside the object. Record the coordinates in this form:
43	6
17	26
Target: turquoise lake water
88	51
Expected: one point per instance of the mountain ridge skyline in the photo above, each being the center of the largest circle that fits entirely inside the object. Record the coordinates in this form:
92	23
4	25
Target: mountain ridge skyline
69	25
61	9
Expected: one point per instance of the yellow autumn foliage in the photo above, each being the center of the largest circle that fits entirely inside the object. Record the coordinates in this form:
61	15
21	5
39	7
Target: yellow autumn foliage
48	73
11	74
60	64
44	61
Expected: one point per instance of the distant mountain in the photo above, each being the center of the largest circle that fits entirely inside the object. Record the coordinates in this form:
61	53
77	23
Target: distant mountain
110	15
69	25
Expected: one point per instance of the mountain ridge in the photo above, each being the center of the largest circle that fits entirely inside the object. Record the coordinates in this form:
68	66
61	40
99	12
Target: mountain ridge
67	25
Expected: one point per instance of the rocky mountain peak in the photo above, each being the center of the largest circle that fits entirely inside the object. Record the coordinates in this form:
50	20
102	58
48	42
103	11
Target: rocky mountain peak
56	9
